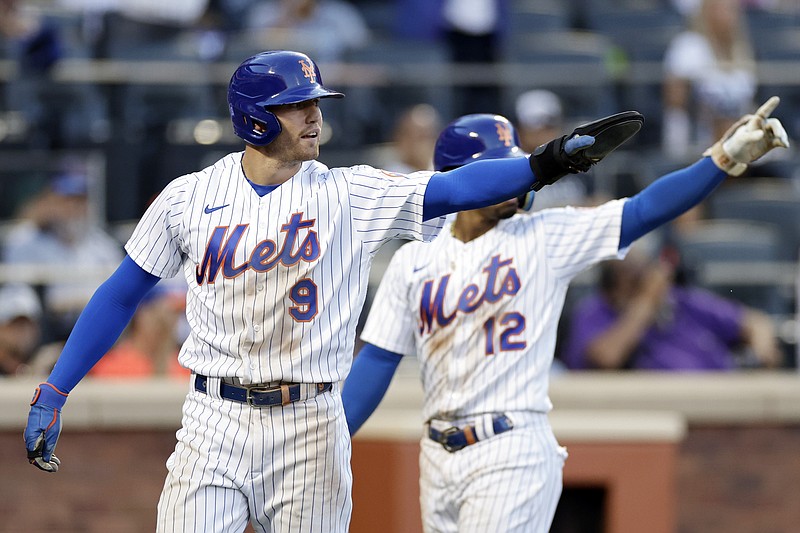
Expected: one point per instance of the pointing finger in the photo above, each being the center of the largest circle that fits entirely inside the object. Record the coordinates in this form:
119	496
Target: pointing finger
768	107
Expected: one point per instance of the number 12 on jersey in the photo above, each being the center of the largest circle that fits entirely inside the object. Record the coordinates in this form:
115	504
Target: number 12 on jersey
504	330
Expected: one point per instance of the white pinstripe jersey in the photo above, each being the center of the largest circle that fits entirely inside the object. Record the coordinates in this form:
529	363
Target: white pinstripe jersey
482	316
276	283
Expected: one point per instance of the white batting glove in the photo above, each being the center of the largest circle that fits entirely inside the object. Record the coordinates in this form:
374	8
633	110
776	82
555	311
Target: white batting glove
748	139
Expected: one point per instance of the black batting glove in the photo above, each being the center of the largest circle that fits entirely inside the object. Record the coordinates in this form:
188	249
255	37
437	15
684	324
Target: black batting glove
552	161
587	145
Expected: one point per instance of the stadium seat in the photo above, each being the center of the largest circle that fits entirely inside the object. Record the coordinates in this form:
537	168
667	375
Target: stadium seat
631	16
738	259
571	63
763	20
533	16
777	51
730	240
771	201
406	72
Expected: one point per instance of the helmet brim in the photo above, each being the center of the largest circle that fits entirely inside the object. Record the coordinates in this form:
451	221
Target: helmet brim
301	94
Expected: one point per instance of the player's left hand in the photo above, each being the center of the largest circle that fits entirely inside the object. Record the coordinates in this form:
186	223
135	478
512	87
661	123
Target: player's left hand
577	143
748	139
552	161
44	427
587	145
572	150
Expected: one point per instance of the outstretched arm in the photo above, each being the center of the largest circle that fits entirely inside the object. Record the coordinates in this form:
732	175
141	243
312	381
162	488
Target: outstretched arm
367	383
667	198
748	139
489	182
485	182
98	327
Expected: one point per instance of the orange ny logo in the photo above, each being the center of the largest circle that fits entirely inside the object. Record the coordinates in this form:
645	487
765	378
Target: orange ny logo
308	70
504	133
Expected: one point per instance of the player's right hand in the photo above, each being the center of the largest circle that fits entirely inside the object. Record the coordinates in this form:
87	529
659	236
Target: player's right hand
44	427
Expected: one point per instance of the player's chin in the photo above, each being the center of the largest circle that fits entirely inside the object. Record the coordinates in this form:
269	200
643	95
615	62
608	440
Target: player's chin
306	153
310	147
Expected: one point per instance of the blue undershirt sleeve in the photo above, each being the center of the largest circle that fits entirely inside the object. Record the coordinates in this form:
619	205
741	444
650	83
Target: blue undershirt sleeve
668	197
475	185
101	322
367	383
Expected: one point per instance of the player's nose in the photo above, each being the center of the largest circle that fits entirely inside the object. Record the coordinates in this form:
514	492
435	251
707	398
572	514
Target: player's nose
314	113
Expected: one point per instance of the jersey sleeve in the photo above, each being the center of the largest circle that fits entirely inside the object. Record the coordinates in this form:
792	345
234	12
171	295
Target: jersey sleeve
155	243
577	238
389	324
387	205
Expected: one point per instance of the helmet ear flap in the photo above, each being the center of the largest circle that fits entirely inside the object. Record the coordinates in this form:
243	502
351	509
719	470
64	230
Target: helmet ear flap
270	128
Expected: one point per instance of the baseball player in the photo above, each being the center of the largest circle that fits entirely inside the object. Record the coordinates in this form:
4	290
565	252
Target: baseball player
276	250
480	306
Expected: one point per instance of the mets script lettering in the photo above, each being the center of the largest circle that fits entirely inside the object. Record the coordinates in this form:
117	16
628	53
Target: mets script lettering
220	251
501	280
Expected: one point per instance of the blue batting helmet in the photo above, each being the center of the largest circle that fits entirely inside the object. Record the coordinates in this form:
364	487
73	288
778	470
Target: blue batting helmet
475	137
270	79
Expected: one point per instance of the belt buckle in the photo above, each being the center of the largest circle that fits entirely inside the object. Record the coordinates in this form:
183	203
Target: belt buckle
506	423
449	432
257	390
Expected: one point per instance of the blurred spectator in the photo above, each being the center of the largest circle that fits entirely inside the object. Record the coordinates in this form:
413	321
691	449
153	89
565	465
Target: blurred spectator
53	115
230	14
417	19
709	77
413	139
20	328
126	29
641	319
178	12
35	45
324	29
149	346
34	42
473	31
540	118
56	232
687	8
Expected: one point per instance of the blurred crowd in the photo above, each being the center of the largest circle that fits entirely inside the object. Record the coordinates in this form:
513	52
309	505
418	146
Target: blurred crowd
141	83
